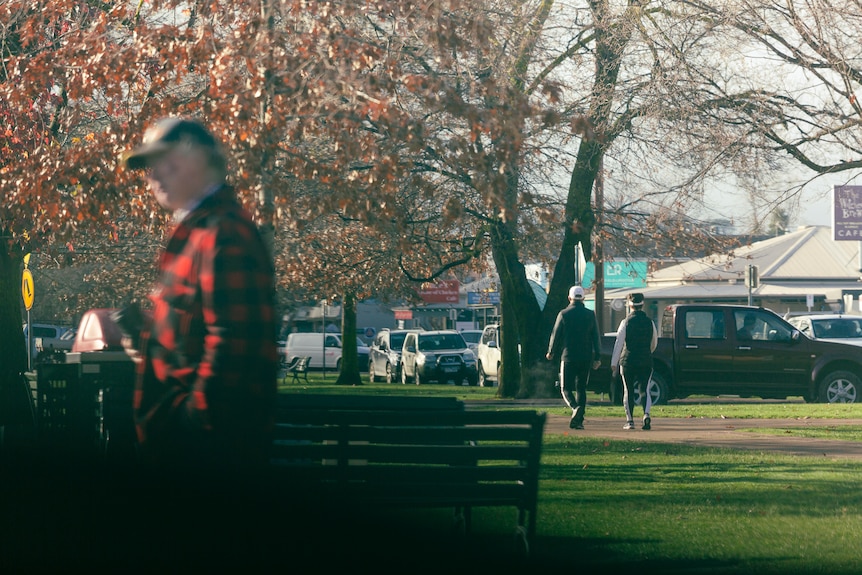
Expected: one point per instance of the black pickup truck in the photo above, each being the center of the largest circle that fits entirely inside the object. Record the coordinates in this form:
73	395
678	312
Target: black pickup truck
716	349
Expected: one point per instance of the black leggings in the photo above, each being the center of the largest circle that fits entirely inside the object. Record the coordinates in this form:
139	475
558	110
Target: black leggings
636	378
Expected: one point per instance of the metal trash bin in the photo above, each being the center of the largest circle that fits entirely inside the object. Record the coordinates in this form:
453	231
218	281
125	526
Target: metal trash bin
67	413
84	405
111	376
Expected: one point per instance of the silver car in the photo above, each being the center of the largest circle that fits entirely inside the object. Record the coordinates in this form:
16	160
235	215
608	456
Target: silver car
441	356
384	355
835	327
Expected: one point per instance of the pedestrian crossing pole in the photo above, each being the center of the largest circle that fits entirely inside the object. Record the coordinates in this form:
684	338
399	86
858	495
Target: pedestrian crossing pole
27	293
752	281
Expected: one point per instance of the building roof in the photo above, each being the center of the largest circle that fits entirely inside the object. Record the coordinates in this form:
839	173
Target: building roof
808	254
794	265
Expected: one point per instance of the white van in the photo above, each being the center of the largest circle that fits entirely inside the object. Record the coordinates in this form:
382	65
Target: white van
47	337
312	345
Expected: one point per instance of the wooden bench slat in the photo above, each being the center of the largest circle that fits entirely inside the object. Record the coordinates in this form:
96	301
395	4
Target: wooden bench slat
307	402
404	434
377	453
408	496
411	475
409	417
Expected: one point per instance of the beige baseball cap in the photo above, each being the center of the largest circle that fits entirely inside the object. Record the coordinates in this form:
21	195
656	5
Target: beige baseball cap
164	135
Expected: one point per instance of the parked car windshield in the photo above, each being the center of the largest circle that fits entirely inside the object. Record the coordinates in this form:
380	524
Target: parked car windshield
396	340
471	336
432	342
836	328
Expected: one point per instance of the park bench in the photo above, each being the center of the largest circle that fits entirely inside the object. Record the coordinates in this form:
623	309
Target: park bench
298	367
411	452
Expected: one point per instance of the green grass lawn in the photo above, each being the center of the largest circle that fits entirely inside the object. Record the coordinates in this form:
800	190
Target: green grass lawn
631	507
319	384
597	406
839	432
744	410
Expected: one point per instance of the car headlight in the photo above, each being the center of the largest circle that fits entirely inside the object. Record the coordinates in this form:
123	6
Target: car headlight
469	358
424	358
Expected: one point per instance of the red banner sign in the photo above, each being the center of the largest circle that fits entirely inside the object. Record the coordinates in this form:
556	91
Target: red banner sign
403	314
441	292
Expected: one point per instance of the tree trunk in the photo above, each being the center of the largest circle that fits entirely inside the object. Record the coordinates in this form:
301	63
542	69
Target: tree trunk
511	382
14	362
534	326
349	374
521	316
611	42
579	223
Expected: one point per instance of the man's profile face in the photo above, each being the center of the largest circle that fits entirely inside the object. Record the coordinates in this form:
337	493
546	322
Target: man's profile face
177	176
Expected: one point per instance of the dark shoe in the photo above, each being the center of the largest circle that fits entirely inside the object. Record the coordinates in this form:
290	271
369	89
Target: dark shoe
629	425
574	423
646	426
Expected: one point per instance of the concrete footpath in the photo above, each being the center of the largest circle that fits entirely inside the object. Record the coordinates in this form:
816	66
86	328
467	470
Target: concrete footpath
720	433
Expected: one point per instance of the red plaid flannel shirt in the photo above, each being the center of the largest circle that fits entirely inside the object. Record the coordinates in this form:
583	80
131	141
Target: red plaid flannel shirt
207	383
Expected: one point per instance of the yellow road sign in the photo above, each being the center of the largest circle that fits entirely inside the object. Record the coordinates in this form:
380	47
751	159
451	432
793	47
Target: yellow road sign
27	289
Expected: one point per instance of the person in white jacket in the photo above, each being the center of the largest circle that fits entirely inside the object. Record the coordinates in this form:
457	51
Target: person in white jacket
636	341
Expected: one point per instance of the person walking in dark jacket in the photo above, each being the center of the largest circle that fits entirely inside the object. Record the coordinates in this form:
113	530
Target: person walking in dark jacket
575	342
632	358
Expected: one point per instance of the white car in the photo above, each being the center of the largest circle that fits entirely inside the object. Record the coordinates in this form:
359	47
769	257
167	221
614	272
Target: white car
840	328
48	337
488	355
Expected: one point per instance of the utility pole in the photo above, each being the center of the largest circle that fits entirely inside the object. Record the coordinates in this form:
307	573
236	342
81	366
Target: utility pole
752	281
578	271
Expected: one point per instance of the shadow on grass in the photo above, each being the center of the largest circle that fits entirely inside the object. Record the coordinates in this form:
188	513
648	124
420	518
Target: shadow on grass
586	555
67	518
57	519
598	555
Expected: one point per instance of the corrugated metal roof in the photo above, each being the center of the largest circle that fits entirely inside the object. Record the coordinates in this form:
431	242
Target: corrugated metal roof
809	254
738	291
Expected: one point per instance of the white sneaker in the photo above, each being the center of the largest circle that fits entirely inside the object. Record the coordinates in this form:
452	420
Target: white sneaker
629	425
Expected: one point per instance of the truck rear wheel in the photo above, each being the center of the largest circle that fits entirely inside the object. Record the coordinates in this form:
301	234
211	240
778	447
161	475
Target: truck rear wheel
658	389
839	387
